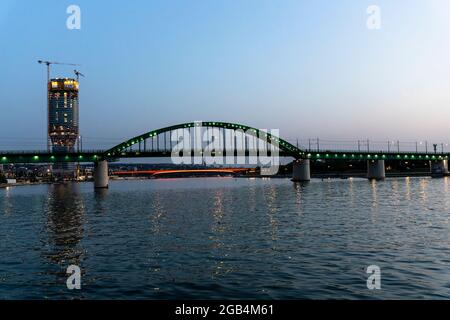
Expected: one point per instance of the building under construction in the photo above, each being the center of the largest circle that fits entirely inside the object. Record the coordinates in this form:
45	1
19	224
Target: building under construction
63	120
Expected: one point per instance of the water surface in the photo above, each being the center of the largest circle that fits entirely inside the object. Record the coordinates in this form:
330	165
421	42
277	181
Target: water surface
227	238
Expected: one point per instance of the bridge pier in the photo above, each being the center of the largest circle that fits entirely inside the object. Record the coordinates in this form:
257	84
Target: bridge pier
301	170
376	170
101	178
439	167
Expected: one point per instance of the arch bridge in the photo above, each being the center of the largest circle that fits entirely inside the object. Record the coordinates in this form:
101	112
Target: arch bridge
218	140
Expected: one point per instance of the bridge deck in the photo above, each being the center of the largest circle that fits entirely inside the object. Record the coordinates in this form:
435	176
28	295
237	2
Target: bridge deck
7	157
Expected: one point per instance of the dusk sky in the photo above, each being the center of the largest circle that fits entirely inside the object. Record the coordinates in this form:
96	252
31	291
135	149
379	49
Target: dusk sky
308	68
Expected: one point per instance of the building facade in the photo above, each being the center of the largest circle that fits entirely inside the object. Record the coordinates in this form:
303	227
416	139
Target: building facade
63	114
63	119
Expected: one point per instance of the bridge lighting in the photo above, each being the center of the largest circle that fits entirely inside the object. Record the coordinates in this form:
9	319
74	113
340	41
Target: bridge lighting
4	158
35	157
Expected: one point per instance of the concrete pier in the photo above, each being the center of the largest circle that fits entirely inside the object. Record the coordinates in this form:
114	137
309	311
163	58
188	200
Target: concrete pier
439	167
301	170
376	170
101	178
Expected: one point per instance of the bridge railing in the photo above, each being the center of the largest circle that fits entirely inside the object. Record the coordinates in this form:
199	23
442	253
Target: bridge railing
42	152
367	145
393	152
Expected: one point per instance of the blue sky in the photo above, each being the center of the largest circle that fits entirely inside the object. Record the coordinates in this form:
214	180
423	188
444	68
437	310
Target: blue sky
309	68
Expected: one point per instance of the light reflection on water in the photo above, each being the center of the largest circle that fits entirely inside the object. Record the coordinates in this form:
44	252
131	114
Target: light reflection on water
227	238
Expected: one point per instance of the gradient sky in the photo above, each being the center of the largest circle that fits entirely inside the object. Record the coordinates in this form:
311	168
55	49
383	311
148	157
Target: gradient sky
309	68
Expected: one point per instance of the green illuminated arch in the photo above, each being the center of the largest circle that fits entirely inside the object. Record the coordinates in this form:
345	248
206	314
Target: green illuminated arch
283	145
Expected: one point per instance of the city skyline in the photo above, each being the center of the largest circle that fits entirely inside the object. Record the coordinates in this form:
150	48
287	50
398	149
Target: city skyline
309	70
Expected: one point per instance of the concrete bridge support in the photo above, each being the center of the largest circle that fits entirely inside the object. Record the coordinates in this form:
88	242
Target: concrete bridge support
301	170
439	167
376	170
101	178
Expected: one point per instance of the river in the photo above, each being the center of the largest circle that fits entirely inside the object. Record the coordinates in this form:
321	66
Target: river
206	238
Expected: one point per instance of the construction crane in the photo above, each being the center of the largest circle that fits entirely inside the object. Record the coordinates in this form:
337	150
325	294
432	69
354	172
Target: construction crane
48	64
80	138
78	74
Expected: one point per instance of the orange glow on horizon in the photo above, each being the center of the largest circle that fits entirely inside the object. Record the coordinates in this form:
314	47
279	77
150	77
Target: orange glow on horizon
156	172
